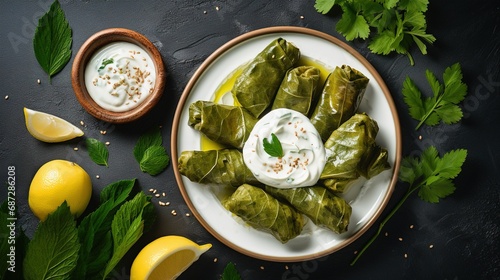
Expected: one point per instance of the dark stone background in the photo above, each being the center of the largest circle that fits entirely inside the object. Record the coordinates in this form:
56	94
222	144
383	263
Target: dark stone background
463	228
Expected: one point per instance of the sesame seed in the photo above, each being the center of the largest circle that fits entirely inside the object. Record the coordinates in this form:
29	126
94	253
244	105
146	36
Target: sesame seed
107	143
411	226
217	8
154	191
188	215
161	203
167	203
406	255
150	190
215	260
75	148
6	97
174	213
262	267
157	195
386	234
163	194
82	123
355	252
286	267
400	239
301	17
431	246
420	137
97	176
205	12
38	81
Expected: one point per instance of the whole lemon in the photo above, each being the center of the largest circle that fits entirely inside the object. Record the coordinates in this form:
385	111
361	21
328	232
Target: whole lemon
55	182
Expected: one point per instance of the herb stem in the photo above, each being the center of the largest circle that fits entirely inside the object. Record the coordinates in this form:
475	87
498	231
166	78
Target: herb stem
382	224
429	112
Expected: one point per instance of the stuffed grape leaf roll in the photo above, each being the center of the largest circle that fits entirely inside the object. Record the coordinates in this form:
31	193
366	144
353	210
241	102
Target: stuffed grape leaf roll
298	89
264	212
256	87
339	100
352	152
225	124
224	167
324	208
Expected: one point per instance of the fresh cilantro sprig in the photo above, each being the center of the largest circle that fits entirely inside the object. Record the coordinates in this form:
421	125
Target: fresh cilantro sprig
230	272
98	151
392	25
443	105
274	147
52	40
430	175
150	154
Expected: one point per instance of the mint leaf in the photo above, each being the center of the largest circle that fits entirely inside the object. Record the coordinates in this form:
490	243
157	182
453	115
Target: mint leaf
94	231
150	154
154	160
53	251
105	62
52	40
148	139
98	152
230	272
442	106
127	227
274	147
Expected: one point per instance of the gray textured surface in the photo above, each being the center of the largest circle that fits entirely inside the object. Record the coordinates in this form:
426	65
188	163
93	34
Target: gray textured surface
464	228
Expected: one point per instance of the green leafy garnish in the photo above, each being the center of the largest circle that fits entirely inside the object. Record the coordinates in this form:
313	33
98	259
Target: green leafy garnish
230	272
430	175
396	24
127	227
105	62
442	106
274	147
94	231
52	40
150	154
98	151
154	160
53	251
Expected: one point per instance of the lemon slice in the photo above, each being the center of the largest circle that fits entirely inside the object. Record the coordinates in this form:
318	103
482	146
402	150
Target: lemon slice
166	258
49	128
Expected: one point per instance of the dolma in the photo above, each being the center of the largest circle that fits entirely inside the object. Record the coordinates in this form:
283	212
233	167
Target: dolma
224	167
352	152
264	212
339	100
324	208
225	124
298	89
256	87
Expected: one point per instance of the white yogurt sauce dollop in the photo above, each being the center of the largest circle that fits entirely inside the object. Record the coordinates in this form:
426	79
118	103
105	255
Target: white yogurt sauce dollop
303	157
120	76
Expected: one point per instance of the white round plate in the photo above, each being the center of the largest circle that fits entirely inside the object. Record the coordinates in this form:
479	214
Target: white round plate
368	199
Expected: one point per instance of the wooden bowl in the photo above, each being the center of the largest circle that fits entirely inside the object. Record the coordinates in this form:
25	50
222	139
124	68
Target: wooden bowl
95	43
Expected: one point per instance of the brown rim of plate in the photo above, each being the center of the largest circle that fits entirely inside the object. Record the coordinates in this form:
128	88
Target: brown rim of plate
209	61
96	42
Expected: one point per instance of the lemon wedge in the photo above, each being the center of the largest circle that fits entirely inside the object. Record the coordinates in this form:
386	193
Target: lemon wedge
49	128
166	258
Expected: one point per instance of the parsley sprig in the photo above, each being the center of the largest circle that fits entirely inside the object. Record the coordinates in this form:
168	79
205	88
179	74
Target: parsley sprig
396	24
430	175
443	105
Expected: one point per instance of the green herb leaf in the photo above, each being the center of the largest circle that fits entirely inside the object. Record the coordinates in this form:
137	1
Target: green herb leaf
126	228
397	24
105	62
154	160
98	151
94	231
148	139
274	147
52	40
53	251
428	174
230	272
150	154
442	106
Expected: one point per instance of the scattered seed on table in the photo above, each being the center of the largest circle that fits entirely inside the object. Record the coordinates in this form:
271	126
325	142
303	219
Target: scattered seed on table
406	256
188	215
400	239
75	148
215	260
6	97
157	195
431	246
38	81
97	176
